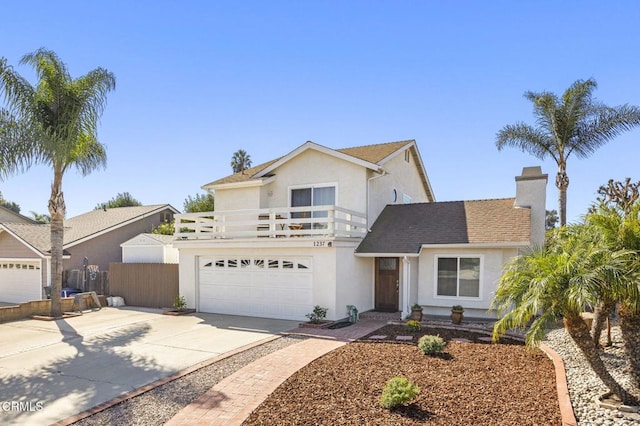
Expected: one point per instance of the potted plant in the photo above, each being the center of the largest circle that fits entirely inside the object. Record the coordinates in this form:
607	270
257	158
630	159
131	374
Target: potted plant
457	314
416	312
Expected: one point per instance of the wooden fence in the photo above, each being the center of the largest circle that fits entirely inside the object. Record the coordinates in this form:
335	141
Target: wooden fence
98	282
151	285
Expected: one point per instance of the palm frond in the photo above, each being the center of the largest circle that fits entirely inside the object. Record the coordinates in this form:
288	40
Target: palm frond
527	139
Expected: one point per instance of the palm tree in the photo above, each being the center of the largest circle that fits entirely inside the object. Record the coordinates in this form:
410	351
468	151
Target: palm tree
240	161
53	123
575	123
558	281
619	223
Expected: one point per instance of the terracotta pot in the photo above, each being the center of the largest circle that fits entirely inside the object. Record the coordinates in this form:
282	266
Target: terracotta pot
416	315
456	317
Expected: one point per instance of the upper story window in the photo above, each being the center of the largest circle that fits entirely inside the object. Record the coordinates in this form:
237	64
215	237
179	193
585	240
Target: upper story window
166	217
458	276
312	196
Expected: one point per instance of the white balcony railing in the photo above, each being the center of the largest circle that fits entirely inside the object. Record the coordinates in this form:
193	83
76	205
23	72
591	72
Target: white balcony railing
310	221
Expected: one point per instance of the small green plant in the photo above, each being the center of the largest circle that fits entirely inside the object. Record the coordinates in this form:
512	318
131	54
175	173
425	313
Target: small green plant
179	303
416	307
413	325
431	345
398	391
457	308
318	315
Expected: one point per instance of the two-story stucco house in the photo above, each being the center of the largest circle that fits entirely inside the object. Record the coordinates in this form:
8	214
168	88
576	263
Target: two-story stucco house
318	227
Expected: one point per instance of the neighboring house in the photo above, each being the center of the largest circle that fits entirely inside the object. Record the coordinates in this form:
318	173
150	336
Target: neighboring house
149	248
25	248
8	215
299	231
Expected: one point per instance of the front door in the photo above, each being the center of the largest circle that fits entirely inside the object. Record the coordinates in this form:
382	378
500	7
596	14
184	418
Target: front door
387	284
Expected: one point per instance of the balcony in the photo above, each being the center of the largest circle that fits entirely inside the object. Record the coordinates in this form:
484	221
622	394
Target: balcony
292	222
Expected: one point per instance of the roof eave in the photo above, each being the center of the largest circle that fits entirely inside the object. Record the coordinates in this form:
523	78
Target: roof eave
320	148
119	225
23	241
387	254
244	184
421	169
487	245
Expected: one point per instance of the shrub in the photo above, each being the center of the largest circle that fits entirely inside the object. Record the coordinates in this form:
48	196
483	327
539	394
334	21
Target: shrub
430	344
398	391
457	308
413	325
318	314
179	303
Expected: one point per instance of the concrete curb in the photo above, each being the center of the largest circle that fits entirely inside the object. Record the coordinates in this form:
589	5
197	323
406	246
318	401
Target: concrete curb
160	382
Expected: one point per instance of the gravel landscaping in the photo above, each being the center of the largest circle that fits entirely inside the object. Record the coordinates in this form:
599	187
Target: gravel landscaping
160	404
585	387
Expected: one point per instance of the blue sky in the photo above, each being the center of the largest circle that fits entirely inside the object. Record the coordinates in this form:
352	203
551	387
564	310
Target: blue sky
198	80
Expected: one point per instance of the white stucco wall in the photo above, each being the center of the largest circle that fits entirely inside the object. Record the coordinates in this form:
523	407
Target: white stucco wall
531	192
492	262
171	254
323	267
414	274
315	168
403	177
143	249
354	281
237	198
143	254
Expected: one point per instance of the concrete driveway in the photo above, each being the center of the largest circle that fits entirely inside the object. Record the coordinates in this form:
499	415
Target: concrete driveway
52	370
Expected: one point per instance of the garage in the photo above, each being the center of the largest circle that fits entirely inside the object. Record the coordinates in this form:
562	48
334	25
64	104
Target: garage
20	280
268	287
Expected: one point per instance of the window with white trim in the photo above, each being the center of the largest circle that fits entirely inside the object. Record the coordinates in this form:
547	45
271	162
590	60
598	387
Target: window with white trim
312	196
458	276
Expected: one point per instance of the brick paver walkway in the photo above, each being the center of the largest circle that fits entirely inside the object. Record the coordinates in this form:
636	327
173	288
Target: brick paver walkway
232	400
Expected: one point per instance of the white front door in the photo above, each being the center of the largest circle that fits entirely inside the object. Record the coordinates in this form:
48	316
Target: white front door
20	280
270	287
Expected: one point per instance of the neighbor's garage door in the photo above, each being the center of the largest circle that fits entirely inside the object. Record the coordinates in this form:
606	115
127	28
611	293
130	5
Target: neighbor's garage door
20	281
256	286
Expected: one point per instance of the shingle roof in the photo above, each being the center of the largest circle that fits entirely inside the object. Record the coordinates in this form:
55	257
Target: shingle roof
375	153
37	236
82	226
371	153
405	228
8	215
93	222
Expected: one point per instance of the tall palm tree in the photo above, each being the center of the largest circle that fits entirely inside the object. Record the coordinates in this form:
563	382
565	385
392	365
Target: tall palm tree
574	123
53	123
558	281
240	161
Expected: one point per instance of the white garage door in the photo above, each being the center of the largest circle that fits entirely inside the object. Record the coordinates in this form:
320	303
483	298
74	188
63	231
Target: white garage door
20	281
265	287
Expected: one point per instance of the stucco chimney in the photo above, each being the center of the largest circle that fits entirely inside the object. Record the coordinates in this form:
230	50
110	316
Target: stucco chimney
531	192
